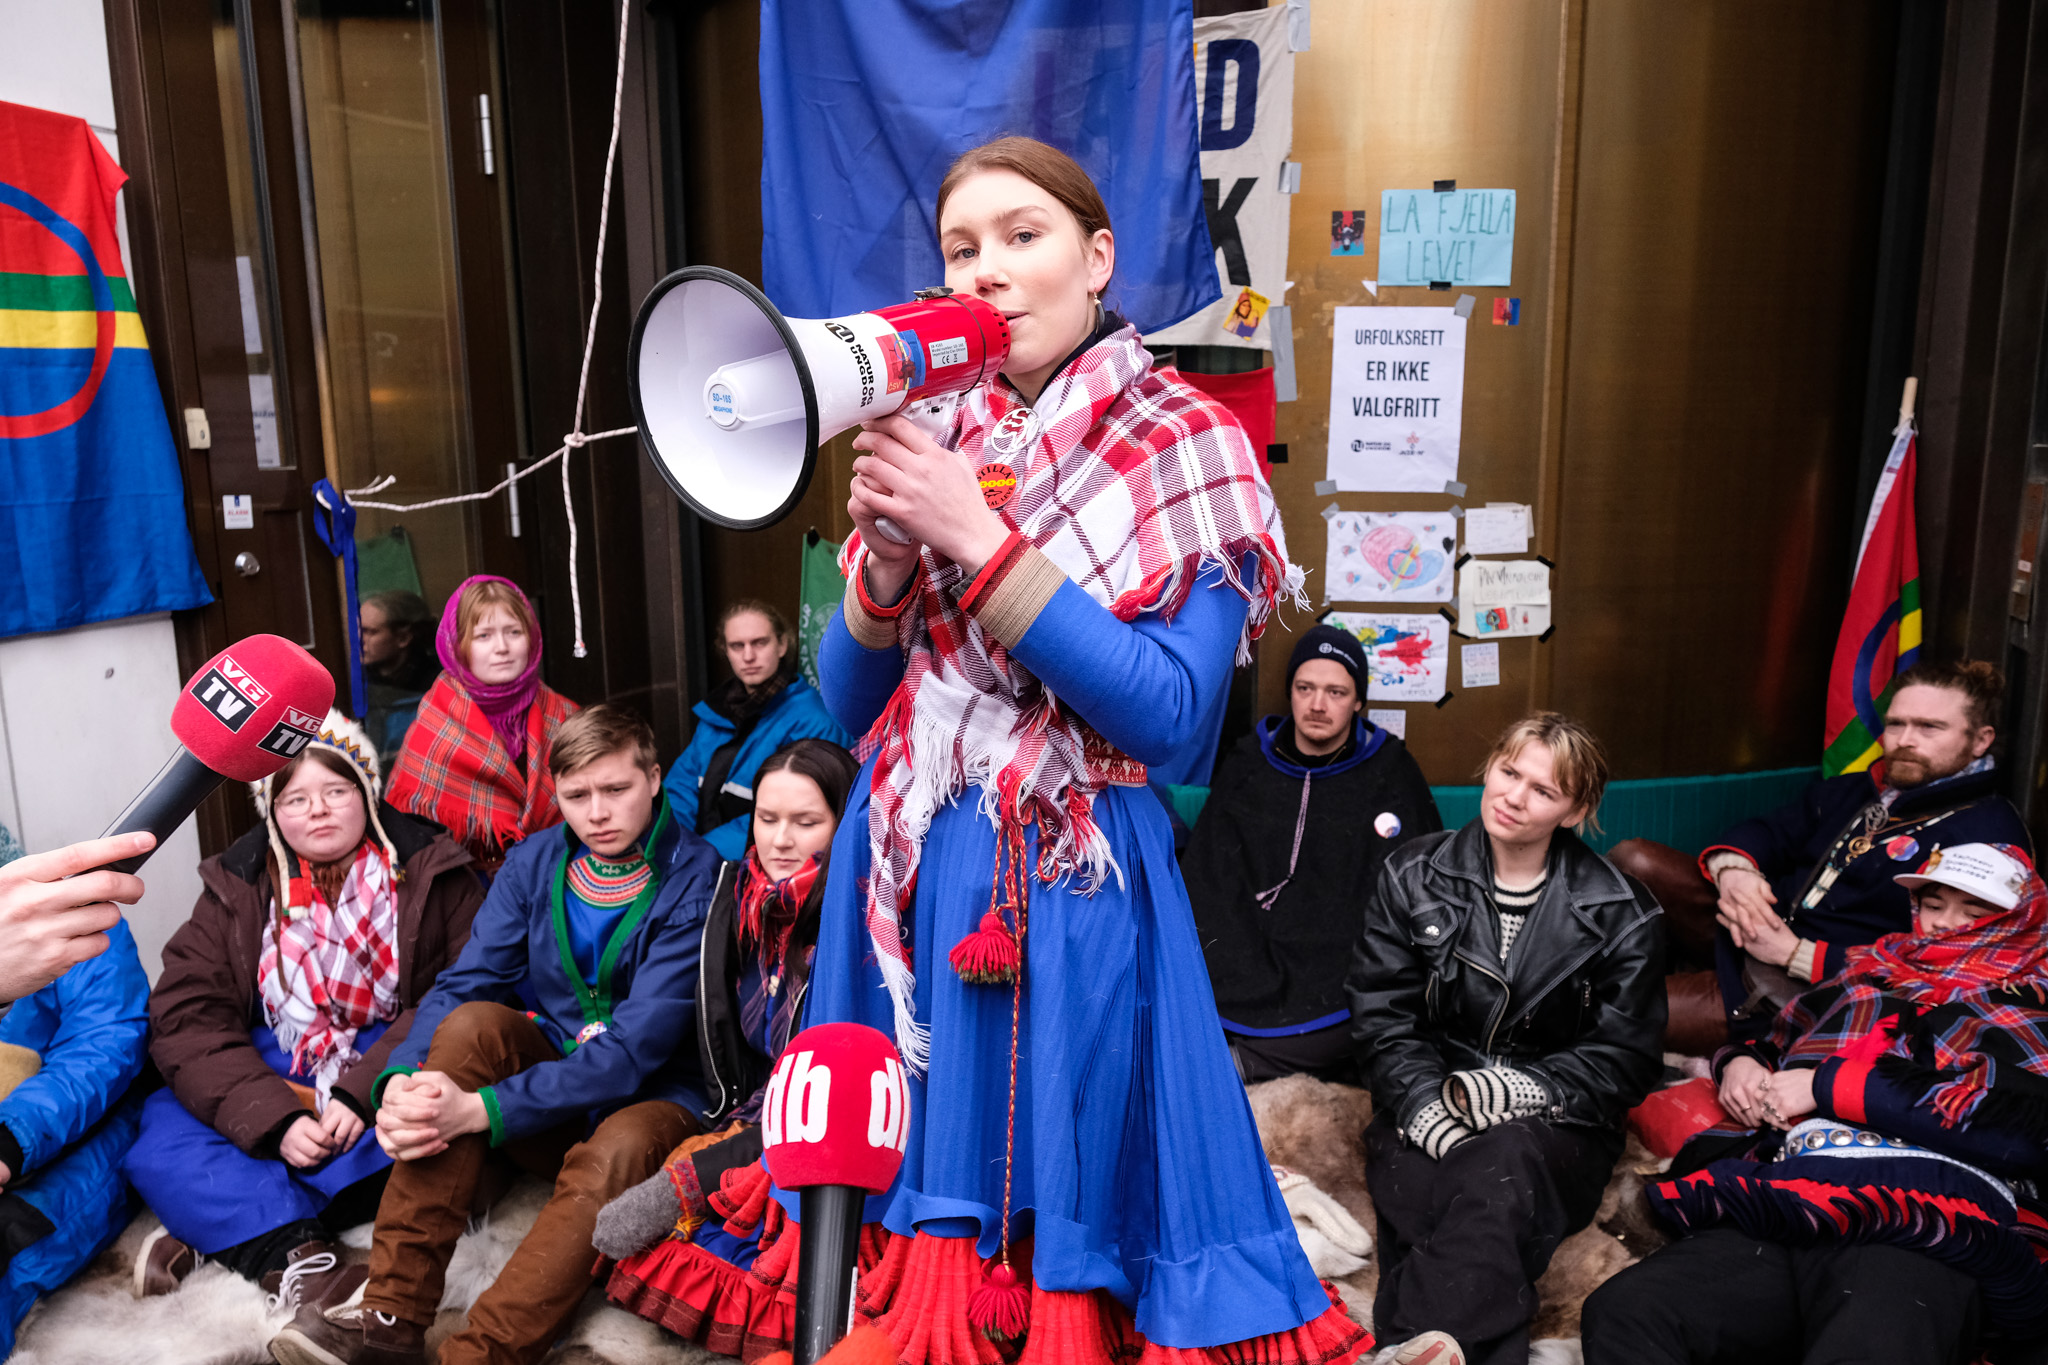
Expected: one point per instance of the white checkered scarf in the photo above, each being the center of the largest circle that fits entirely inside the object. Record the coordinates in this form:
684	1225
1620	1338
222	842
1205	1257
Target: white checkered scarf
1134	485
333	970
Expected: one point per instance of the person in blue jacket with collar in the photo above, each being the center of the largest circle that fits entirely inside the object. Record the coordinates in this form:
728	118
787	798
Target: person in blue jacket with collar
76	1046
602	920
763	706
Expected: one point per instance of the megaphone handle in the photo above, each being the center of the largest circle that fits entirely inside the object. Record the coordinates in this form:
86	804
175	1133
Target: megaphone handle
893	531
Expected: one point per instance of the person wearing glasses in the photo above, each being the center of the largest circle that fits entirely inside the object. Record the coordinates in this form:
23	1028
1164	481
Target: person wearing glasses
281	1000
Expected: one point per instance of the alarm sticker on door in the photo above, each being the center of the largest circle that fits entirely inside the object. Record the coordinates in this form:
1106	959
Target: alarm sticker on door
238	510
952	351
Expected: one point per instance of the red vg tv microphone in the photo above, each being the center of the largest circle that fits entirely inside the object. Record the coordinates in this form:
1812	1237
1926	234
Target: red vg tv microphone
244	715
834	1123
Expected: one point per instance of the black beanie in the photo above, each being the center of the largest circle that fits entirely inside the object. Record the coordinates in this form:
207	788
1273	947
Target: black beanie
1338	646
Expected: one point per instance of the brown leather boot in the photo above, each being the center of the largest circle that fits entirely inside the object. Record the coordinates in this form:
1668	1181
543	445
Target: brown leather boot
162	1264
314	1276
349	1335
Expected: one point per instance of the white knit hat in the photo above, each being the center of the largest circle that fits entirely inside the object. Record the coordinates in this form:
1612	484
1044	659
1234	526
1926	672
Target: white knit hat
342	736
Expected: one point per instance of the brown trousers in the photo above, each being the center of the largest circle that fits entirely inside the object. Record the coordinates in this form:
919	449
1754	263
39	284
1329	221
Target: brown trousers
428	1202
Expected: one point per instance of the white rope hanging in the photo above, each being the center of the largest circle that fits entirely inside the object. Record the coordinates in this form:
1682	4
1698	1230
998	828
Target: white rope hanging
577	437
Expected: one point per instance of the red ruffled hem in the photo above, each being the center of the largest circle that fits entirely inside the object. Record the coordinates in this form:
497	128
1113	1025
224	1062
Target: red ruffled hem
702	1297
916	1290
919	1293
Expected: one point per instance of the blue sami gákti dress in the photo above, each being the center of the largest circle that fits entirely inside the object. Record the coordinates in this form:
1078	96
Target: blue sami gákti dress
1138	1169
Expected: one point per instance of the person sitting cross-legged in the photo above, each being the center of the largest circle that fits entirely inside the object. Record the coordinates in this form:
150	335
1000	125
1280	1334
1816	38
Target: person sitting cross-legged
1289	844
601	920
1507	998
316	937
697	1269
1779	900
1872	1196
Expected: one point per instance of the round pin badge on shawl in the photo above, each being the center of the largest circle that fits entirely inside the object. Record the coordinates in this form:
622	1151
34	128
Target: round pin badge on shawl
998	483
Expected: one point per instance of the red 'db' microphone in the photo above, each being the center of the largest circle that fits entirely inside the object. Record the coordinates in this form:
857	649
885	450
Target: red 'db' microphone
834	1123
246	713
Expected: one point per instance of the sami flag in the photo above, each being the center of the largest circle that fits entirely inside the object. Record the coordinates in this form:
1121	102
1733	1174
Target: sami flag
864	103
1881	630
92	508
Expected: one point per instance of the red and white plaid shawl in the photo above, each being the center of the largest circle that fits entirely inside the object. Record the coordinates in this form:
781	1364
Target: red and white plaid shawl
333	971
1134	484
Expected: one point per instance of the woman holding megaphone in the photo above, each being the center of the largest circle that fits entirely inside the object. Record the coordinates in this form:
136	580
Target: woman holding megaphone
1092	546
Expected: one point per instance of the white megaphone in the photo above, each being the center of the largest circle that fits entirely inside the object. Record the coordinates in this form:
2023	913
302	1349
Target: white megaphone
733	398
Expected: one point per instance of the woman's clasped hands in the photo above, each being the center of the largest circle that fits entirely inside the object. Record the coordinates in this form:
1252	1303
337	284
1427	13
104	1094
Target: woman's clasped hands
929	492
1759	1097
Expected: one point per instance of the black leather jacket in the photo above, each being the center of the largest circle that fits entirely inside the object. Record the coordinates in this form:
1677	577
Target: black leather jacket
1580	1005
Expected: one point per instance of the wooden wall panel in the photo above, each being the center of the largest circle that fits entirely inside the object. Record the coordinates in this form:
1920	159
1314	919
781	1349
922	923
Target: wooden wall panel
1697	194
1731	170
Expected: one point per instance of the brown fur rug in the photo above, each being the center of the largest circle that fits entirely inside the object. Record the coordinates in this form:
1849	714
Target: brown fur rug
1318	1129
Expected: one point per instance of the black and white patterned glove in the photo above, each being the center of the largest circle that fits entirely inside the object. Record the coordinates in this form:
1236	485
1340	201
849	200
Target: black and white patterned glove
1493	1095
1436	1130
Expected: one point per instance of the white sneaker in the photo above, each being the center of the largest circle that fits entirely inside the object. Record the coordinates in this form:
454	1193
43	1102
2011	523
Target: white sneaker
1431	1348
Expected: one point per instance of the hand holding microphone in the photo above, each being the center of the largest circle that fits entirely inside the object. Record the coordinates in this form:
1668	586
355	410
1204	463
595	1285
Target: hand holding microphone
55	911
246	713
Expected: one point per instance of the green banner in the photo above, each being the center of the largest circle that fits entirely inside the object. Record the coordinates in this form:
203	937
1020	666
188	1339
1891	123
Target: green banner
819	593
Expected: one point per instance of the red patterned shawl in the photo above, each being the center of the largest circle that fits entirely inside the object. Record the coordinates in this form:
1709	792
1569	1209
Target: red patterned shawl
454	770
1133	484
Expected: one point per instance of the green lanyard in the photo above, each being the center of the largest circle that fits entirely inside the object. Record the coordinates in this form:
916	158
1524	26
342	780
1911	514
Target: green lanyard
596	1003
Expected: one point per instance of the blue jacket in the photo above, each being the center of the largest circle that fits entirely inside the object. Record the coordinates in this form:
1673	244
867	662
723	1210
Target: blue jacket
799	713
647	1051
88	1026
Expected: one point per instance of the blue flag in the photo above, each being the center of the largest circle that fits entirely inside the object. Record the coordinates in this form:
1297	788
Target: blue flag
864	103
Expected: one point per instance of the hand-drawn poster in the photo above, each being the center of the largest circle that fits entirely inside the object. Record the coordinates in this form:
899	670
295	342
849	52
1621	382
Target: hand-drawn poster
1463	237
1499	598
1390	556
1397	397
1409	654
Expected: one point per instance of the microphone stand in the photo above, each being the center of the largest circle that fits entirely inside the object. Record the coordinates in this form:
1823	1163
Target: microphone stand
828	1248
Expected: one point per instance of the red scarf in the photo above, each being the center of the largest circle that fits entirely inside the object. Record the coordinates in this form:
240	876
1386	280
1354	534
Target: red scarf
1998	951
768	912
455	771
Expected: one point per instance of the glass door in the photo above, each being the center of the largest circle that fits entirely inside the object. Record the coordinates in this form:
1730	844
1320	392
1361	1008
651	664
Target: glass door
384	214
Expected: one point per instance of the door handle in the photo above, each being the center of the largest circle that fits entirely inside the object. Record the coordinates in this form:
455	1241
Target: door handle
247	565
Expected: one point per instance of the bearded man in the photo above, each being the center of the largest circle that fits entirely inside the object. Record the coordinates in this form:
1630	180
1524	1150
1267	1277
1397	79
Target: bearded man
1787	894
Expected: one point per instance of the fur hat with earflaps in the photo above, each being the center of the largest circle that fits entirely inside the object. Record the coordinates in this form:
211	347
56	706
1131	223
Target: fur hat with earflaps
351	742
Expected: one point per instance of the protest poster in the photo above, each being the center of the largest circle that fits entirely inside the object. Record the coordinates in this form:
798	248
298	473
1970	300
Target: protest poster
1397	395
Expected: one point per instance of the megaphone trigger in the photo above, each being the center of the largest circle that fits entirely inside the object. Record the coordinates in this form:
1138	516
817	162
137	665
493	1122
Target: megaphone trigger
734	399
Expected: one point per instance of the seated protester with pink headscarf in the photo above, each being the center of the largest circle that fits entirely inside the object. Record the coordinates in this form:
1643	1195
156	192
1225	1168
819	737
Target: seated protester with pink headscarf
1872	1196
475	758
316	937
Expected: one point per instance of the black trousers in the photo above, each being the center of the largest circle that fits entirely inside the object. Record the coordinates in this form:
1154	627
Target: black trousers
1463	1240
1328	1054
1723	1296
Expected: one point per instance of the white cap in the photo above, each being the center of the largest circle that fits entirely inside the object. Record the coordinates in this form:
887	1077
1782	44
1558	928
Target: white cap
1981	870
